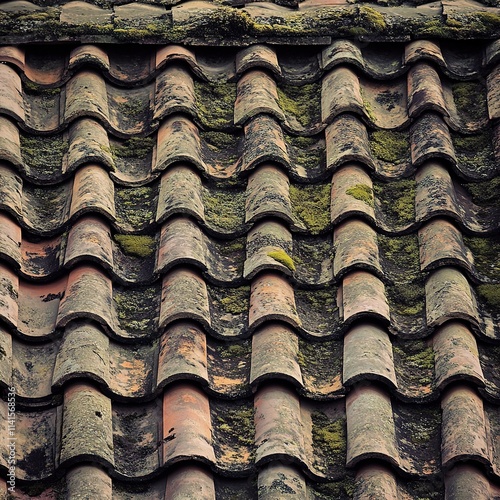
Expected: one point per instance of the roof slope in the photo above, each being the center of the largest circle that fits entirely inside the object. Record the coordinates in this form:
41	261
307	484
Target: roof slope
253	273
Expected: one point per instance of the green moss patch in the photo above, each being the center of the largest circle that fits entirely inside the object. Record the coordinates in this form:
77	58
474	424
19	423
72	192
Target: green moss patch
362	192
44	154
136	245
215	103
486	252
318	307
135	147
402	252
340	490
311	204
475	152
406	298
485	194
490	293
131	108
329	440
137	309
135	205
242	349
282	257
304	102
224	209
470	100
397	200
232	300
307	152
414	363
390	146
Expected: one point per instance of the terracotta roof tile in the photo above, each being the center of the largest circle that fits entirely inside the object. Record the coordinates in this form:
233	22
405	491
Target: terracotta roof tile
249	271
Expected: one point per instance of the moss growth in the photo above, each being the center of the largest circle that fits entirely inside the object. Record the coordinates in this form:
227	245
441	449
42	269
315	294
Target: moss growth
491	294
475	152
131	107
137	309
236	300
218	141
362	192
233	351
329	438
415	362
397	200
136	245
33	88
340	490
44	154
486	253
237	423
282	257
234	247
372	19
402	251
311	204
407	298
470	99
215	103
485	194
308	152
135	205
135	147
390	146
224	208
302	102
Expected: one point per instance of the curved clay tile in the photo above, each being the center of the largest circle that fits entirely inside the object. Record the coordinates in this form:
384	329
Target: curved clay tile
371	429
269	246
431	139
89	54
278	425
10	145
91	479
181	242
449	296
92	190
84	352
342	52
456	355
425	91
493	86
264	142
423	49
257	56
176	53
257	94
184	296
178	141
441	244
281	481
187	426
464	433
182	354
13	55
268	195
368	356
352	194
464	481
10	241
174	93
347	141
363	294
275	355
190	481
87	425
180	193
88	142
11	95
340	93
272	299
356	246
9	294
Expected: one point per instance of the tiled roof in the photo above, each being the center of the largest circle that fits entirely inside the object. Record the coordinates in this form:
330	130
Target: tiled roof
251	272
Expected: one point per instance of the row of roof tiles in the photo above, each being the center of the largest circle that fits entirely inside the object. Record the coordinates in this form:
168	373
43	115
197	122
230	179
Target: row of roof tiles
169	372
125	112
